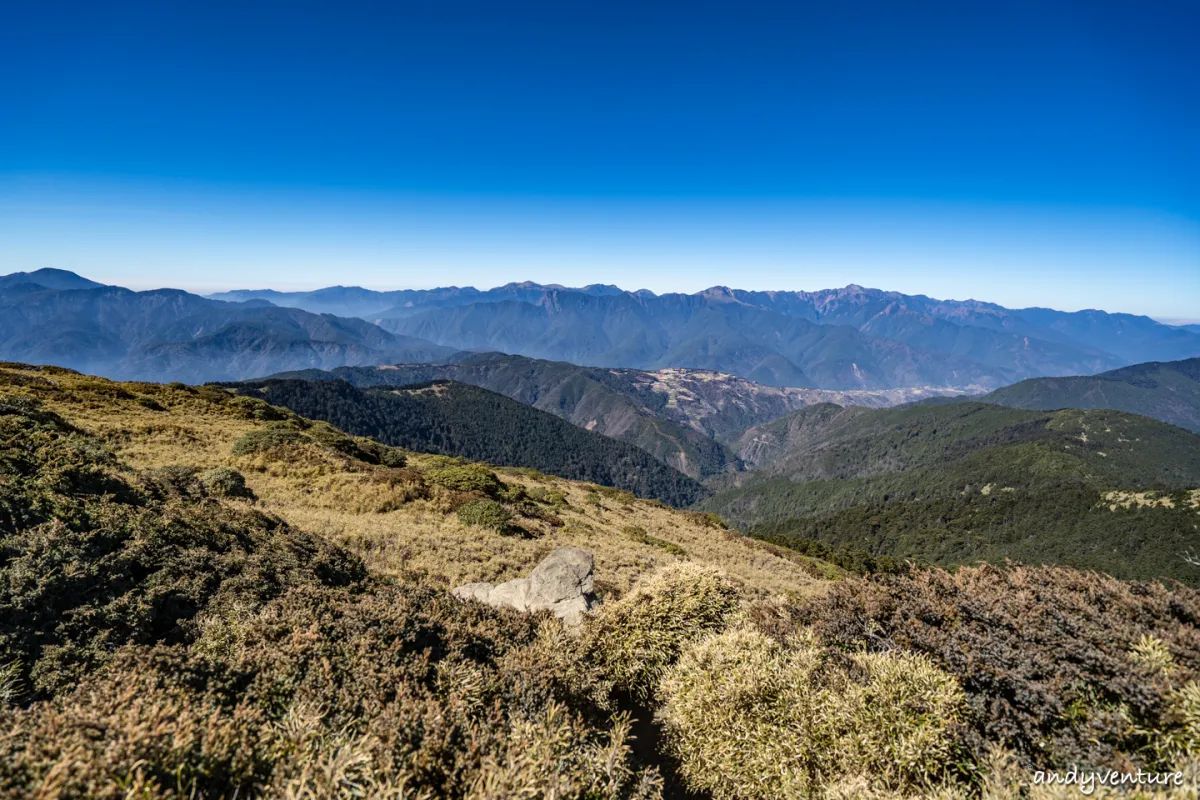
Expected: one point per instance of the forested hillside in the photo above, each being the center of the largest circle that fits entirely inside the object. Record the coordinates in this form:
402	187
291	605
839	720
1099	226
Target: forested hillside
962	482
1167	391
461	420
683	417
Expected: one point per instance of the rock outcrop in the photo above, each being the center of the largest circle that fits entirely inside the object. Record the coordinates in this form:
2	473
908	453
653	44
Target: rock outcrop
561	583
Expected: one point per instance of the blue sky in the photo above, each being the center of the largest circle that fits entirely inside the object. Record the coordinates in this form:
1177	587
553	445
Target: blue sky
1021	152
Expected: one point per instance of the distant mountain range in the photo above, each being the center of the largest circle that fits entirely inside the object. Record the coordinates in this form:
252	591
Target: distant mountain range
455	419
966	481
846	338
55	317
1168	391
682	417
840	339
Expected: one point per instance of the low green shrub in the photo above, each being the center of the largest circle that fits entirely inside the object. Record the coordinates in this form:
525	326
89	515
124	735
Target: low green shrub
485	514
392	457
261	440
225	482
172	482
612	493
548	497
707	519
335	441
467	478
150	403
749	717
513	494
639	534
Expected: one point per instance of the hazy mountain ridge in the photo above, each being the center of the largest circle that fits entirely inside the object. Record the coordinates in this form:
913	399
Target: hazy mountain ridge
843	339
1166	391
167	334
692	331
999	343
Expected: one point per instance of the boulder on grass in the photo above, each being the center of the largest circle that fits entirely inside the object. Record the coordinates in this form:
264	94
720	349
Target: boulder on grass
562	584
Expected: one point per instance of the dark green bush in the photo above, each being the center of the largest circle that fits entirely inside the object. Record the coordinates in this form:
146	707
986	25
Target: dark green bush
174	481
851	559
225	482
467	478
150	403
639	534
707	519
486	514
549	497
392	457
261	440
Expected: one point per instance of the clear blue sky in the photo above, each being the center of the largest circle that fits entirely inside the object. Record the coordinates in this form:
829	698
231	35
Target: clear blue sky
1023	152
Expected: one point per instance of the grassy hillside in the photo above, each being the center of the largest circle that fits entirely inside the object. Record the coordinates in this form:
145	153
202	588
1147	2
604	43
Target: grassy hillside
1168	391
455	419
202	595
958	483
395	517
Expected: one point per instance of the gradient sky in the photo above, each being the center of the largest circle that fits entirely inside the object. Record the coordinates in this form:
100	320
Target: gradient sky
1028	153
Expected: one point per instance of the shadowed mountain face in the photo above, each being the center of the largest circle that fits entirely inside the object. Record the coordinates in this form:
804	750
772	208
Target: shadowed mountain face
1168	391
674	414
168	335
838	338
967	481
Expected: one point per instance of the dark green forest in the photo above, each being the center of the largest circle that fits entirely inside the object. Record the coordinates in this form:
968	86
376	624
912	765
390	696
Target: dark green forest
455	419
968	482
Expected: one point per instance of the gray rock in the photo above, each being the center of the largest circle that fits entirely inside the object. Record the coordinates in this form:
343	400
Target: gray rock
473	591
562	584
563	575
510	594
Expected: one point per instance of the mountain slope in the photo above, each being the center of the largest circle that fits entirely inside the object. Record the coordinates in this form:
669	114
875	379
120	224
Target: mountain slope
456	419
966	481
1166	391
673	414
172	335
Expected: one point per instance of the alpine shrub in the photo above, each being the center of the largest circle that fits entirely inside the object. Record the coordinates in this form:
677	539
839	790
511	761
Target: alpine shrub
485	514
467	478
749	717
225	482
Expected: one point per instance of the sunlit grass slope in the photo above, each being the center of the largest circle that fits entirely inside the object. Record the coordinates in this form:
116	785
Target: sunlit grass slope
401	518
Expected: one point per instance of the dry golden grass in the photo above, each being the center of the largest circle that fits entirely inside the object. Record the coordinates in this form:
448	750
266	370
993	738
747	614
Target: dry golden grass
388	516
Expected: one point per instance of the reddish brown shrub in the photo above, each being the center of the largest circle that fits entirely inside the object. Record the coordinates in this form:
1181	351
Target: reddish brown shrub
1046	655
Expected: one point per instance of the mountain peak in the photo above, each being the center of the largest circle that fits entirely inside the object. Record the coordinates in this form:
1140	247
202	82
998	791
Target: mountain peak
50	278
